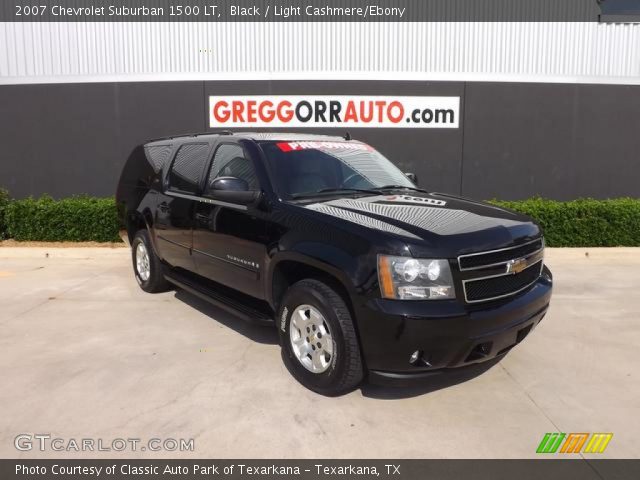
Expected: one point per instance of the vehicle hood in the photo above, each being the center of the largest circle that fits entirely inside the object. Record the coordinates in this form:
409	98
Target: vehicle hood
434	223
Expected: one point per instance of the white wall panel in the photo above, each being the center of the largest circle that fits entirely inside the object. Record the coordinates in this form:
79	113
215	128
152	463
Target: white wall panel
546	52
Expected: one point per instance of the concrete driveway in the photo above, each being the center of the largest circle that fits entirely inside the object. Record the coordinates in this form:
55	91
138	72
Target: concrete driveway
84	353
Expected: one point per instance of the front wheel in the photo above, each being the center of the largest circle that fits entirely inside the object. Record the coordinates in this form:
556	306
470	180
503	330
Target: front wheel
147	267
319	344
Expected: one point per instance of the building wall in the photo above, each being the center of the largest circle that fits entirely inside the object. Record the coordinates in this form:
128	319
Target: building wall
515	140
584	52
547	109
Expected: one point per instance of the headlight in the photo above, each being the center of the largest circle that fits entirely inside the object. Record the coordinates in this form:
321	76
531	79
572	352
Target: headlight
406	278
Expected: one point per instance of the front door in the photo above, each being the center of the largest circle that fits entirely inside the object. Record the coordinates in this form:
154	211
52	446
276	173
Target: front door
229	241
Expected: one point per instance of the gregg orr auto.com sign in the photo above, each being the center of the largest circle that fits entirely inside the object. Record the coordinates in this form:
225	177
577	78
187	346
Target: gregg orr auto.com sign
297	111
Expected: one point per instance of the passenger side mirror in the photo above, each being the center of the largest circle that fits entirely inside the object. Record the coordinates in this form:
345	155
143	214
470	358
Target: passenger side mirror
232	190
413	177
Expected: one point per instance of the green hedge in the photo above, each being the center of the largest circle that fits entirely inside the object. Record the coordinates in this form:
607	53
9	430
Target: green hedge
578	223
76	219
585	222
4	202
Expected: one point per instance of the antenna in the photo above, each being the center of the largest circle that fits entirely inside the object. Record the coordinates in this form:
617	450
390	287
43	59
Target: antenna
347	135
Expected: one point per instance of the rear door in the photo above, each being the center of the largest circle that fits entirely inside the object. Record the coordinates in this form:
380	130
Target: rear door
174	214
230	243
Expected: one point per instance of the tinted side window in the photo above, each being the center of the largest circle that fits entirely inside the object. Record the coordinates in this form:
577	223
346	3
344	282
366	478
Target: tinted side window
158	155
186	171
230	161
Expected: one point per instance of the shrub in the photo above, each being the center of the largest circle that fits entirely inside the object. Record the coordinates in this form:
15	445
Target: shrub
584	222
578	223
75	219
4	202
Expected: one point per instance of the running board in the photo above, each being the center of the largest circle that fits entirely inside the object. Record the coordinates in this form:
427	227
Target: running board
232	305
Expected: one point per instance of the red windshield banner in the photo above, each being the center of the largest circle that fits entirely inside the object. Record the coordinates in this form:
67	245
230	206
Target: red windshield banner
298	146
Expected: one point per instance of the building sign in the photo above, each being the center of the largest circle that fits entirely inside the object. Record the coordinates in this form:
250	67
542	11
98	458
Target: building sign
342	111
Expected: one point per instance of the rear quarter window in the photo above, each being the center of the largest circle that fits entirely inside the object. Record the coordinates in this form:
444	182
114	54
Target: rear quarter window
158	156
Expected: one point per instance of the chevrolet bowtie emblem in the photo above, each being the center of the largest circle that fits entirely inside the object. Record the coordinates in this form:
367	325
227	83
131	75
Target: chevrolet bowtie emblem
517	265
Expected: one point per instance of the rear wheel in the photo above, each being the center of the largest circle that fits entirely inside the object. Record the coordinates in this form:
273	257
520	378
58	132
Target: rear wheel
147	267
319	344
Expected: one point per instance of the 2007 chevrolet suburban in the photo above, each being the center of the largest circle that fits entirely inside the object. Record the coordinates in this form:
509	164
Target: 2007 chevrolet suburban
362	273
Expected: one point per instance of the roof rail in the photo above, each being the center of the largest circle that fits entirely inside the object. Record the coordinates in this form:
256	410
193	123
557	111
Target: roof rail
157	139
184	135
222	132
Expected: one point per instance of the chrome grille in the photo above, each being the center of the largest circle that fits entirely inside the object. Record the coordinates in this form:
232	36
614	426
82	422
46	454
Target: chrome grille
496	274
474	261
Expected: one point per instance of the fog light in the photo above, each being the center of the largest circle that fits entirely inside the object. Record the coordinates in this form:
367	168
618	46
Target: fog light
414	357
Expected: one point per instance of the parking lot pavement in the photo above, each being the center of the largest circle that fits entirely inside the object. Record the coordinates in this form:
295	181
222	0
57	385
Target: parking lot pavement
84	353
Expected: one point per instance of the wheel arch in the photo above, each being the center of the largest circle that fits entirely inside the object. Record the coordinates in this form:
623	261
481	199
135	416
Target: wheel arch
291	267
137	220
288	269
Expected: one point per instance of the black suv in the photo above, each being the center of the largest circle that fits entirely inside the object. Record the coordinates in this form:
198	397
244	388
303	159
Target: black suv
362	273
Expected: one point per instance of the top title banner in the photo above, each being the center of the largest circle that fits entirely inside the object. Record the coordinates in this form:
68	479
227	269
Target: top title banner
299	10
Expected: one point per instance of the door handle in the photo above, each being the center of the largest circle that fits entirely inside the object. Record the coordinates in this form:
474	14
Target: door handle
163	207
204	218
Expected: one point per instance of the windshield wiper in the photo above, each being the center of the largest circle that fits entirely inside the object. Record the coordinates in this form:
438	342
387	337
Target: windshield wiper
334	190
343	189
401	187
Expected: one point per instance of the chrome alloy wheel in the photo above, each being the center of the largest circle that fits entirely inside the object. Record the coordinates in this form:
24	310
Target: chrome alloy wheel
142	262
311	339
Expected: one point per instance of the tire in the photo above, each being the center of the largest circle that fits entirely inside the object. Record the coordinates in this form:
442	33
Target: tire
150	273
326	357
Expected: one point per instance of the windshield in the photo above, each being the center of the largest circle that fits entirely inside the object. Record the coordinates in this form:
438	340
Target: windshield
306	168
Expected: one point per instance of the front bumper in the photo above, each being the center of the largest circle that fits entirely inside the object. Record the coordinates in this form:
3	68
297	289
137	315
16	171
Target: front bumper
448	334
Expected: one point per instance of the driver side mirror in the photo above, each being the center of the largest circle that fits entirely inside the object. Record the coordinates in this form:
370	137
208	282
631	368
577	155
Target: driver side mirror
232	190
413	177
